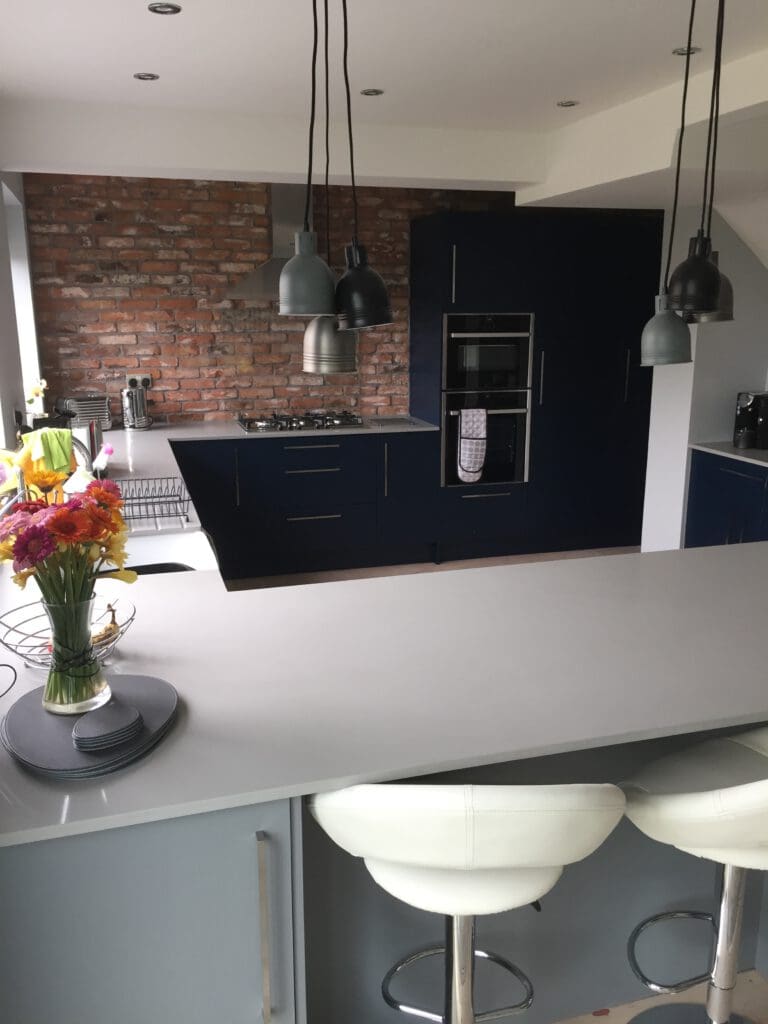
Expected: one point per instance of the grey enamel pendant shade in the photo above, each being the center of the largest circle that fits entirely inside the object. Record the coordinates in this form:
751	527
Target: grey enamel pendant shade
694	286
666	338
361	295
327	349
307	284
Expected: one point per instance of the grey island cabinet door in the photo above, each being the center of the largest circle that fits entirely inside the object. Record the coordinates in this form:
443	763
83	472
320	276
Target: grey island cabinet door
163	923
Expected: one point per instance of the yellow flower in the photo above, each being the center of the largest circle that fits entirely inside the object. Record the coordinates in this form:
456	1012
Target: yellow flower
20	578
126	575
6	550
114	549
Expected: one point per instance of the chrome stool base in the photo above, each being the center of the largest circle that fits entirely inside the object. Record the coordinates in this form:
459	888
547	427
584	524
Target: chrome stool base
722	972
460	956
681	1013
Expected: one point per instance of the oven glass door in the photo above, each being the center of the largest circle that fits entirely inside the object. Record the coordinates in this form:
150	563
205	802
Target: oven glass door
487	352
505	456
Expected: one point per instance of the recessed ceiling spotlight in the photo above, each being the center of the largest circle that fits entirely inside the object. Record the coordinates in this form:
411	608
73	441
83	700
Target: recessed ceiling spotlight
371	92
165	8
568	103
146	76
685	51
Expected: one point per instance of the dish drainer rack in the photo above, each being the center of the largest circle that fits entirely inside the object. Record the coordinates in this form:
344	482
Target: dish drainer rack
154	497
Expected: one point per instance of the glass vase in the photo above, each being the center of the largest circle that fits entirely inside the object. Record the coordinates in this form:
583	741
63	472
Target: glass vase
76	682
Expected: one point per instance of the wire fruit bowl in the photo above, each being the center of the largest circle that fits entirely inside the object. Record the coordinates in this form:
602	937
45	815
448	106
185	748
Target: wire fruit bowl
26	630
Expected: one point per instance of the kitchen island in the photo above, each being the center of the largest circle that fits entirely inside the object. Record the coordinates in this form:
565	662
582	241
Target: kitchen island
290	691
295	690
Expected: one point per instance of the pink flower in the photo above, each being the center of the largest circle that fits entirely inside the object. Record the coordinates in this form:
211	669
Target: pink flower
13	523
32	545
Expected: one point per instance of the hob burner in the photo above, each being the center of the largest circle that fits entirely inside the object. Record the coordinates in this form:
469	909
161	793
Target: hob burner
333	419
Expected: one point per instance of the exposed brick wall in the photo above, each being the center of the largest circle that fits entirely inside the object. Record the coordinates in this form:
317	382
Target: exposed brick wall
130	274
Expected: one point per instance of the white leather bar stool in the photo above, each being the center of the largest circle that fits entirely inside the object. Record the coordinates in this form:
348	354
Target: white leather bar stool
710	800
462	851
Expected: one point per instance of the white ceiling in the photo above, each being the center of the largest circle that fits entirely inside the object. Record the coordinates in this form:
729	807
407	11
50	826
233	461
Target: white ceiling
458	64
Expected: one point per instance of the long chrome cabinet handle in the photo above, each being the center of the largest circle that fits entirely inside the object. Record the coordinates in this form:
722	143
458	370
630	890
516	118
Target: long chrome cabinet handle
453	273
237	479
304	472
490	334
496	412
306	447
626	376
266	948
386	469
308	519
541	378
496	494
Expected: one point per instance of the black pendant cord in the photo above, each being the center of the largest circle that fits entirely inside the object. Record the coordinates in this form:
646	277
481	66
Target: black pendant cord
308	195
681	135
710	127
718	68
327	136
349	118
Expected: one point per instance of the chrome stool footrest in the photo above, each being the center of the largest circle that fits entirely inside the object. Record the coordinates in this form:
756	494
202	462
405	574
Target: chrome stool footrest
671	915
437	1018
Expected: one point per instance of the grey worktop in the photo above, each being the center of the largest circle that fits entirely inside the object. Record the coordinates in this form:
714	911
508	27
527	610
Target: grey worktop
294	690
757	456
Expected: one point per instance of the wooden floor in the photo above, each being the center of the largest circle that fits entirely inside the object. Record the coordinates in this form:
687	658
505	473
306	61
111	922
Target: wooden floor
751	1001
297	579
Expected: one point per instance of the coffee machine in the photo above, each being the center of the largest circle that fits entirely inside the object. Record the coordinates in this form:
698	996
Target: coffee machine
751	426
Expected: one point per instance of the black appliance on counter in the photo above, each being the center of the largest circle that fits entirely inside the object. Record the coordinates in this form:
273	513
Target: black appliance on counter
751	426
487	364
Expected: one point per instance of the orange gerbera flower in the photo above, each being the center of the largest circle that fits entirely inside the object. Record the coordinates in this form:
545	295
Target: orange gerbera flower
107	497
104	520
72	525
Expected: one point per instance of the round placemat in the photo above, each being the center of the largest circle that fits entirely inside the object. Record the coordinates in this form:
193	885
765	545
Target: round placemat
44	743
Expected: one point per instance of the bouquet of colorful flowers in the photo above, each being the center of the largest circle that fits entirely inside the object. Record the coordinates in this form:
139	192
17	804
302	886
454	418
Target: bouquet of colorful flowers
66	547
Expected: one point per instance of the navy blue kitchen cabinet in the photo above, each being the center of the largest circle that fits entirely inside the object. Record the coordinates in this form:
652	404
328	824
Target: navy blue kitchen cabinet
408	503
727	501
305	503
590	399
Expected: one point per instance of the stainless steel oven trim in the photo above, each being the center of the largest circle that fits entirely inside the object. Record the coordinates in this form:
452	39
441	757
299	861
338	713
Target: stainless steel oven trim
506	334
450	412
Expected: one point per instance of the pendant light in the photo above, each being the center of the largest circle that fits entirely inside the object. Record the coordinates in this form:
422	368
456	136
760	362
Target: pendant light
666	338
724	309
306	281
361	295
694	287
326	348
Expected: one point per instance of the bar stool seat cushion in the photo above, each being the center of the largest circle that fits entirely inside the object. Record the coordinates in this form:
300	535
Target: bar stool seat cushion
710	800
469	850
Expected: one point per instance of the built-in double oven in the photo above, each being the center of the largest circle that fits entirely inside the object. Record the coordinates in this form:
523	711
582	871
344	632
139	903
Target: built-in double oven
486	398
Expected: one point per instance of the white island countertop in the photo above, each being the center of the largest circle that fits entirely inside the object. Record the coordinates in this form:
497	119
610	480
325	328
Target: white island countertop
295	690
757	456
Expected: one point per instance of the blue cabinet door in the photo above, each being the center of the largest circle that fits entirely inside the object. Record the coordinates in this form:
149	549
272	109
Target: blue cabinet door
726	501
151	923
409	516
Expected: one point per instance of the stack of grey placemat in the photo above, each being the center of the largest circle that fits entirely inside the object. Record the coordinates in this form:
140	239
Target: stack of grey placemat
138	716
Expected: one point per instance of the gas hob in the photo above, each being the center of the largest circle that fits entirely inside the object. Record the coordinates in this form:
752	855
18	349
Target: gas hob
273	422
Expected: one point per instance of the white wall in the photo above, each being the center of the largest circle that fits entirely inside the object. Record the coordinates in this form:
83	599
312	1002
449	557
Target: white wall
697	401
732	356
18	247
11	389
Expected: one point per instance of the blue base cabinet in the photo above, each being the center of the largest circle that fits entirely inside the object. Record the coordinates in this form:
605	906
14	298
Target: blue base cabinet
727	501
151	923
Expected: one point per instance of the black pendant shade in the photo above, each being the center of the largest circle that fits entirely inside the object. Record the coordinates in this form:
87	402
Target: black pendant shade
694	286
361	295
724	311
